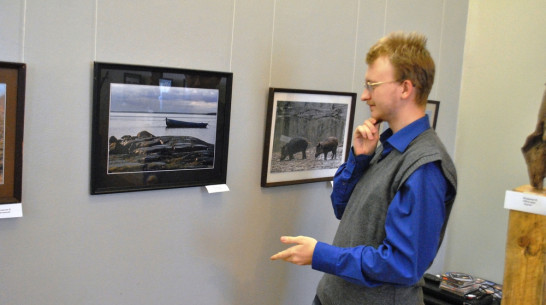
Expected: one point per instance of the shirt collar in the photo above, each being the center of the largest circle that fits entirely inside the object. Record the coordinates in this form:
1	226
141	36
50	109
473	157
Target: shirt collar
404	136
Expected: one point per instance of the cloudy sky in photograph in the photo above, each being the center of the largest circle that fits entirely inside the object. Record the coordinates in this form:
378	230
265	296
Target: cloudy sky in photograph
144	98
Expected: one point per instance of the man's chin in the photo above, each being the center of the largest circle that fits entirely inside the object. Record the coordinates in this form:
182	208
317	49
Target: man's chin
376	117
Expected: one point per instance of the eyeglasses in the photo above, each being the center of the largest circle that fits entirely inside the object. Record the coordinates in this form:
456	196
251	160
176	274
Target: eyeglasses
370	86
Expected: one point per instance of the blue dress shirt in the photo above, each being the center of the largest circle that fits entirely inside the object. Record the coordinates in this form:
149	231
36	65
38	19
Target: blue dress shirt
414	222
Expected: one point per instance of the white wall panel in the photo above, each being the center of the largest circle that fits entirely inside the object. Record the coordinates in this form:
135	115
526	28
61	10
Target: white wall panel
188	34
449	69
48	245
371	27
502	88
424	16
12	30
313	46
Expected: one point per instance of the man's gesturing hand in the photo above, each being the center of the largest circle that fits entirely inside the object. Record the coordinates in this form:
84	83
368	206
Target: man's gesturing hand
300	254
366	137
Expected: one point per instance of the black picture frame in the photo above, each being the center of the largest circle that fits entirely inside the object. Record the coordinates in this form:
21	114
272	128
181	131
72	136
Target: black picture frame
433	108
150	136
12	108
297	122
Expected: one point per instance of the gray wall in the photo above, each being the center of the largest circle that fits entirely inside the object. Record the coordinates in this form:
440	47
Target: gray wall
503	82
185	246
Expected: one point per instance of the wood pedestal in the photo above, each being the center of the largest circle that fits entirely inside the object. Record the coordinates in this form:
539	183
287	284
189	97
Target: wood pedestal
524	269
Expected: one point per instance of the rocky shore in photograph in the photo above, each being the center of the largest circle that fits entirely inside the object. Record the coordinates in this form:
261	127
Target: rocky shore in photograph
146	152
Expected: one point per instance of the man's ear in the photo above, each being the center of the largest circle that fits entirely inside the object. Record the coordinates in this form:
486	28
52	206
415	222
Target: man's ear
407	88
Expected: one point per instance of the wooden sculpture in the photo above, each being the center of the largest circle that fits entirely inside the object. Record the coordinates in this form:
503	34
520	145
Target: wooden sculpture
534	149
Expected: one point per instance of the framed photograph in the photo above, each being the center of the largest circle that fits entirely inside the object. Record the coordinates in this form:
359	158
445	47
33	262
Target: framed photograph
432	111
162	132
12	108
307	135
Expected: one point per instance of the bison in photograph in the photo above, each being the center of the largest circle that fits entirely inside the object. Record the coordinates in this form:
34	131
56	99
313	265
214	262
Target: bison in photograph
326	146
295	145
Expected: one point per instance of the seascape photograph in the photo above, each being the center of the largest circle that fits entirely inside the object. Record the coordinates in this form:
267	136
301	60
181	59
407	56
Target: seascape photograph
161	128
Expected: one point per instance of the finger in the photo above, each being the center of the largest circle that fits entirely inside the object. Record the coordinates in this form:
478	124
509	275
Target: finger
284	255
372	125
374	121
276	256
289	240
365	132
360	132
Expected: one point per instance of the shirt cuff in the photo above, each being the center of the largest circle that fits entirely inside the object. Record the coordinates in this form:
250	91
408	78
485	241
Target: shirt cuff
325	258
360	159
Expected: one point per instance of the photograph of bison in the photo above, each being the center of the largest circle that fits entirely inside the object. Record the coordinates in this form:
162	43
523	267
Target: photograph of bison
304	130
307	135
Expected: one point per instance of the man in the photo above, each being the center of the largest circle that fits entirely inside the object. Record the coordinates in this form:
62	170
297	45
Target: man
393	200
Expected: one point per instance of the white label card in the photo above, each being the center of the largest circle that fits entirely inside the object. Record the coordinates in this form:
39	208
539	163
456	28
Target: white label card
525	202
11	210
217	188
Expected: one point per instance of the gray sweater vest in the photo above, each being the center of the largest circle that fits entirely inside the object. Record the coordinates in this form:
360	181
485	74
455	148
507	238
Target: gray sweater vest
363	222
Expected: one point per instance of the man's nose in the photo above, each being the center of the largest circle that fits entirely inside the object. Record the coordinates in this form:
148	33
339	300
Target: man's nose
365	95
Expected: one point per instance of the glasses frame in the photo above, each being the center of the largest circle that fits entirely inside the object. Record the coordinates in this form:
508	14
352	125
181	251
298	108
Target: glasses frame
371	86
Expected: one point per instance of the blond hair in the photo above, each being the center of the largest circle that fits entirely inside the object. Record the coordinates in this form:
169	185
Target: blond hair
410	58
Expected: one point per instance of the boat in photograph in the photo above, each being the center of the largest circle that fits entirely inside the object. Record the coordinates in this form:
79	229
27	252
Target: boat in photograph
184	124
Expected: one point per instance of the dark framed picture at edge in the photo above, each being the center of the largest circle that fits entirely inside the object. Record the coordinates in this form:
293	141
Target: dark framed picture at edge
307	135
433	107
12	108
158	127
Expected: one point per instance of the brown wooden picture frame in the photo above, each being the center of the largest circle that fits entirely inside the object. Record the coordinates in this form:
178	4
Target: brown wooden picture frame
307	136
12	104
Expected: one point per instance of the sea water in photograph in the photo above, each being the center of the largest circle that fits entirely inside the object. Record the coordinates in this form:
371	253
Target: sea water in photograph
2	129
140	138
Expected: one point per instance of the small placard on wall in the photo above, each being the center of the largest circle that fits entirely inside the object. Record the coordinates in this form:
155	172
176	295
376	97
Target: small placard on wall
217	188
13	210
